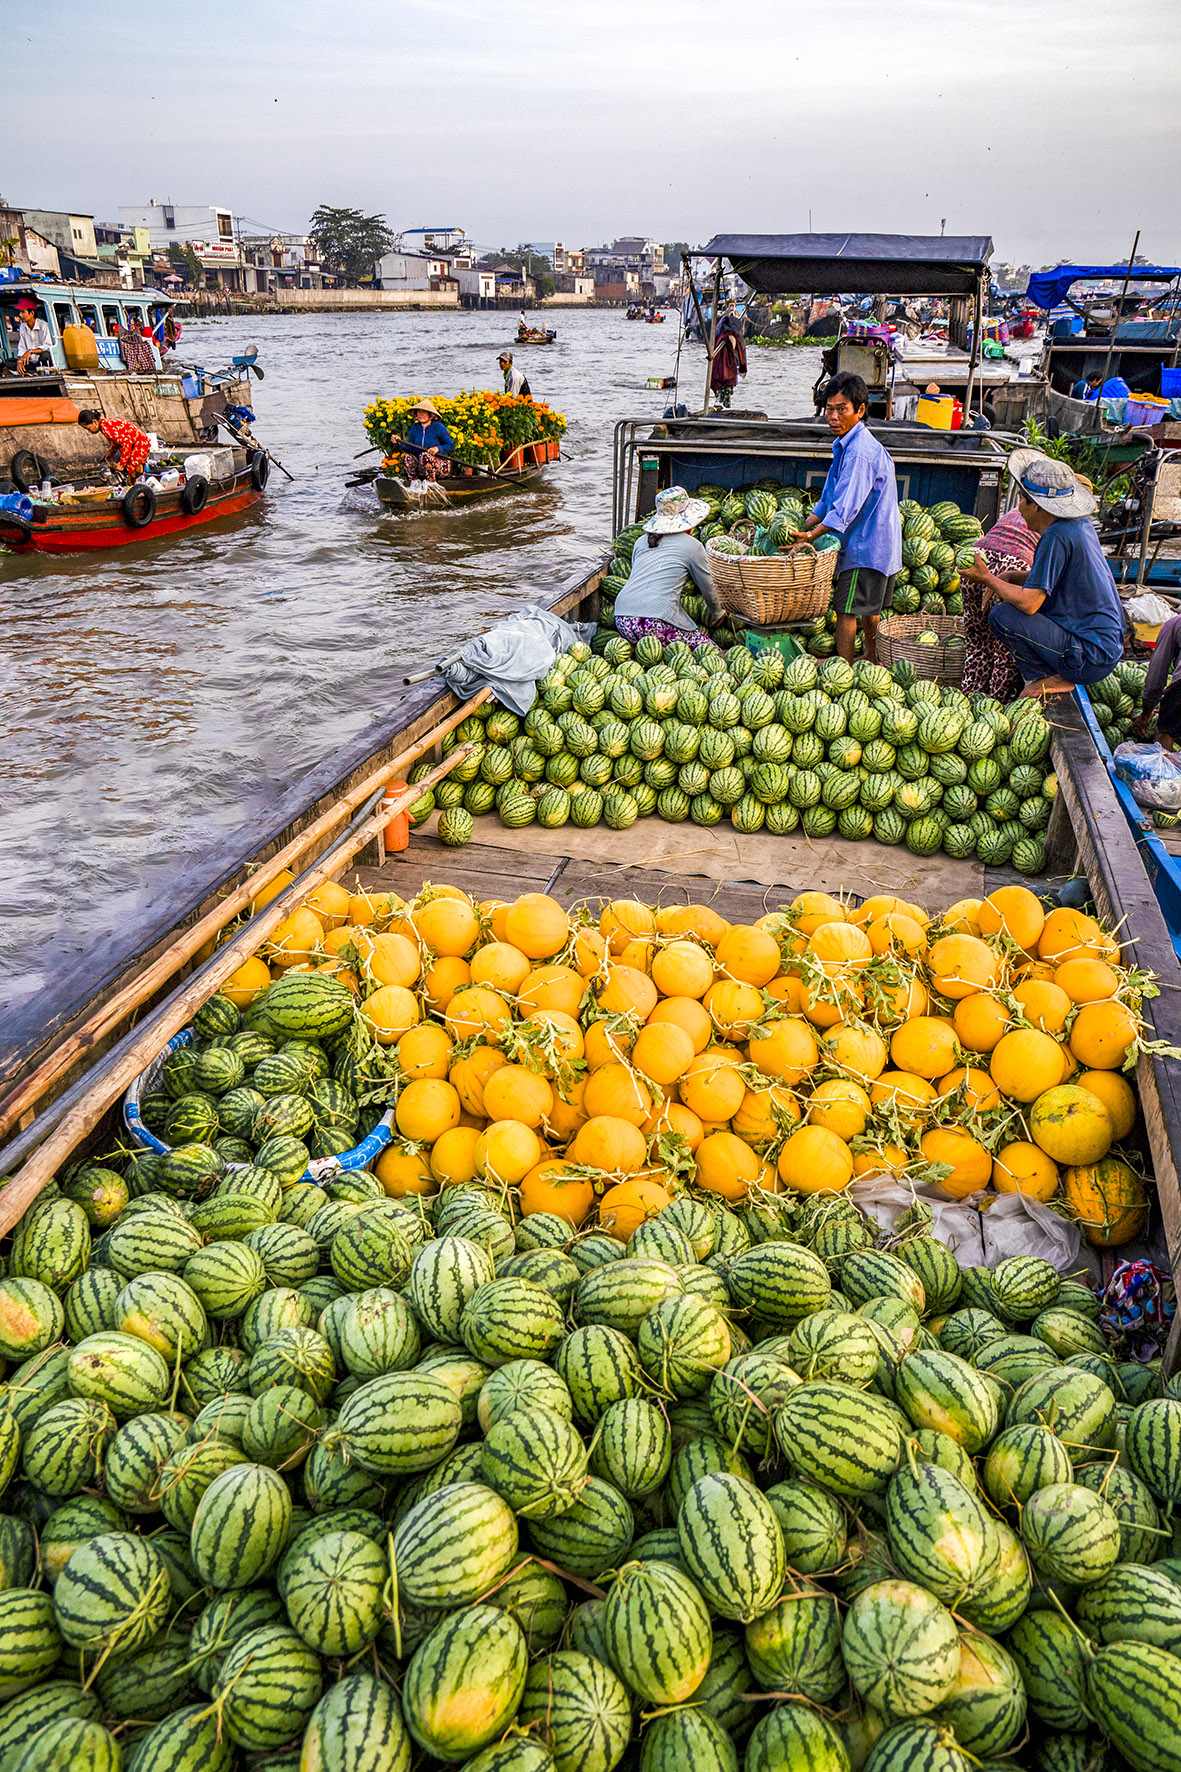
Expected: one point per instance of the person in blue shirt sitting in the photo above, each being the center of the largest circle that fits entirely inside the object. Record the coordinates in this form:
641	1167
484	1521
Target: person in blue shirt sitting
1065	624
1095	388
426	447
859	504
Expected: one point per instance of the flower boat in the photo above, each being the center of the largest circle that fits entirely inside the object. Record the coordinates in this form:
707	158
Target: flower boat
502	442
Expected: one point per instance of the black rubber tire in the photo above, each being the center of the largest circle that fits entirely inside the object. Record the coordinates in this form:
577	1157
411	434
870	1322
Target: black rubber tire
26	470
139	506
194	495
260	469
9	520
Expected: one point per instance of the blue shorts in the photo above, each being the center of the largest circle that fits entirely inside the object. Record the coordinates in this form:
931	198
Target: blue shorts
1043	649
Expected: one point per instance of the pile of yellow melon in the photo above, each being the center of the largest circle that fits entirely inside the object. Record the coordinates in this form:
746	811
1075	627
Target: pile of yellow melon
607	1064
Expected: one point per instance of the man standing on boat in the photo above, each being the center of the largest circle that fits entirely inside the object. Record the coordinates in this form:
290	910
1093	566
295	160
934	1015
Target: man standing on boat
859	504
1065	624
128	443
514	379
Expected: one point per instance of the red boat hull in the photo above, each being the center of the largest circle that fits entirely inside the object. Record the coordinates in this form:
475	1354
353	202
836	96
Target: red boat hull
77	528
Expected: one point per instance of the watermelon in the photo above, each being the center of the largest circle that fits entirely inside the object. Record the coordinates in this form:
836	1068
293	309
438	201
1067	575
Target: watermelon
332	1587
268	1687
30	1642
591	1535
901	1648
839	1437
813	1526
398	1423
579	1708
793	1735
1152	1444
357	1727
1133	1694
1072	1534
687	1737
599	1366
795	1646
780	1282
656	1629
464	1682
939	1390
113	1593
240	1526
732	1545
454	1546
940	1535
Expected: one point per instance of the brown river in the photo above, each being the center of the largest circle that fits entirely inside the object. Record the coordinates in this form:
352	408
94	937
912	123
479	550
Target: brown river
153	698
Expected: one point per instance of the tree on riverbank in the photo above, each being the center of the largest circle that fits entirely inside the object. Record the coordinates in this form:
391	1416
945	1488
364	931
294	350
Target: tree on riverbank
349	242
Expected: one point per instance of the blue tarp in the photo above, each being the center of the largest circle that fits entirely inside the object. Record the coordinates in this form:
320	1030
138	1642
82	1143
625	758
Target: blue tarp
1048	288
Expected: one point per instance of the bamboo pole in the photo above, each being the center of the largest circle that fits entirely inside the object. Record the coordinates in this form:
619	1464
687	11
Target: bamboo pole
1119	310
135	994
136	1053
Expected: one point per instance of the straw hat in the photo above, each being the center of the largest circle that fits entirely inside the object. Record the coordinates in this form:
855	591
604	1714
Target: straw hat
1052	485
676	512
426	406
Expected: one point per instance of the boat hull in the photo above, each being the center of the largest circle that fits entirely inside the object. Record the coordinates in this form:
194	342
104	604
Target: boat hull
82	529
460	489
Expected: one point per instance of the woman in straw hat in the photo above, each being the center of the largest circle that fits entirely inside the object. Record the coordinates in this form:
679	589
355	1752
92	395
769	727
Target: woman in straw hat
426	448
1065	624
650	601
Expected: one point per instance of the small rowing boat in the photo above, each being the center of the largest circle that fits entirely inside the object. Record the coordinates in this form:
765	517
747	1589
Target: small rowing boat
460	488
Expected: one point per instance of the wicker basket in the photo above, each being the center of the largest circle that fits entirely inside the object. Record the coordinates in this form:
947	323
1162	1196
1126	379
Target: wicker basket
771	589
944	663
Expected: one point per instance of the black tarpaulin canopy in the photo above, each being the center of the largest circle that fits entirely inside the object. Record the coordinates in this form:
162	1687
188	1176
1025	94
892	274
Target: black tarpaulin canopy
859	264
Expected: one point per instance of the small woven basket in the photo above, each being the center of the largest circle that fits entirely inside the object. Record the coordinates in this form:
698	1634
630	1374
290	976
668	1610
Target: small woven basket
943	663
774	588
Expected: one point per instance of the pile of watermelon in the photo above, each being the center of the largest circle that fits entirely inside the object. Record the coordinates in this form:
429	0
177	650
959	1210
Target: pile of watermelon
936	543
823	747
1118	700
676	1460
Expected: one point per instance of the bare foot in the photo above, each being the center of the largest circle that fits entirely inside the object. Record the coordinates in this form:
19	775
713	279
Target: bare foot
1048	686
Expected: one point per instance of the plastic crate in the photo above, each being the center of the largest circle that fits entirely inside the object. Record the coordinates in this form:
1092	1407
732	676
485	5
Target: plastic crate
1170	384
784	640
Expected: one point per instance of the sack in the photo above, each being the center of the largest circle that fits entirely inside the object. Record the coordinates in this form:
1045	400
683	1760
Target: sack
1153	774
1011	1224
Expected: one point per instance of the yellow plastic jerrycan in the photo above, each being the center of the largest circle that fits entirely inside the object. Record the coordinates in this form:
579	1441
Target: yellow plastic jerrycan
80	347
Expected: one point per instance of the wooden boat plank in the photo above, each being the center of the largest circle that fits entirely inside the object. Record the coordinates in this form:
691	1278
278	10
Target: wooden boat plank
1123	895
486	872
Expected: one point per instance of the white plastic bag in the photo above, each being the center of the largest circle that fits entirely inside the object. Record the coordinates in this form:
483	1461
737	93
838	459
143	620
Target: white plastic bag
1011	1224
884	1198
1015	1224
1150	608
1154	775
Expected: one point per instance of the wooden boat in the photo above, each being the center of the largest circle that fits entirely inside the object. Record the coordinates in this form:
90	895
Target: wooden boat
118	521
396	493
537	335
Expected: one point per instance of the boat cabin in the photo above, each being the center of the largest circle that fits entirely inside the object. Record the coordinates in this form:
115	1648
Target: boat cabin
101	311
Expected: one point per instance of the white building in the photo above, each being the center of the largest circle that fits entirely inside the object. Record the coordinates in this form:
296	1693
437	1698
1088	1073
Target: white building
477	289
414	271
207	227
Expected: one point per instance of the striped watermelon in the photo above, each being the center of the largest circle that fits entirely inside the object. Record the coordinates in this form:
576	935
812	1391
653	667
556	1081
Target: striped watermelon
986	1706
511	1320
1134	1694
189	1739
537	1600
589	1537
371	1248
241	1526
844	1439
875	1273
813	1526
90	1303
51	1244
464	1682
795	1646
151	1241
283	1307
31	1318
620	1294
226	1278
837	1345
137	1456
25	1716
357	1727
121	1371
779	1282
332	1589
443	1276
64	1449
938	1390
633	1447
701	1454
1072	1534
150	1683
300	1357
579	1708
656	1629
901	1648
1078	1408
1052	1656
30	1642
1003	1601
187	1473
682	1343
378	1333
1022	1460
937	1269
288	1254
223	1621
72	1742
795	1738
1152	1444
309	1005
399	1423
599	1366
164	1311
536	1461
968	1330
269	1685
1132	1603
919	1746
732	1545
279	1427
73	1523
744	1395
454	1545
686	1737
940	1535
18	1551
36	1385
113	1593
1137	1512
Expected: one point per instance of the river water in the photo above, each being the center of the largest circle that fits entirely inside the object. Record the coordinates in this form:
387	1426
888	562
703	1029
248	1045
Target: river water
153	697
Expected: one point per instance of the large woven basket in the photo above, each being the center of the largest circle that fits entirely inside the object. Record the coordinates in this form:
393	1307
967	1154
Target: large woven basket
943	663
774	588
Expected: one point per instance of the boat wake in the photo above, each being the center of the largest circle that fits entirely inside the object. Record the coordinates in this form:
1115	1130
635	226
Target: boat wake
359	501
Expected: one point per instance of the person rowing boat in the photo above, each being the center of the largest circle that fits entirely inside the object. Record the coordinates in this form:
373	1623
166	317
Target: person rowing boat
426	452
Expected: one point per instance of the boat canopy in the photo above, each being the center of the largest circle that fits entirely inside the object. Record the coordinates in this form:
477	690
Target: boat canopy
868	264
1048	288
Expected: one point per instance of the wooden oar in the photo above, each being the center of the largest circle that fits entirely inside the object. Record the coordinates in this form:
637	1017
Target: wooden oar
136	1051
133	995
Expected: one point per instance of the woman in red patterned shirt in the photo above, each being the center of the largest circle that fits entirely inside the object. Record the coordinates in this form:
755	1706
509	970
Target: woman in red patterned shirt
128	442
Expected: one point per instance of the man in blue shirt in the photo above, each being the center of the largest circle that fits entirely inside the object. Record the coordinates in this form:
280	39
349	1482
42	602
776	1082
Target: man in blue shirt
1065	624
859	504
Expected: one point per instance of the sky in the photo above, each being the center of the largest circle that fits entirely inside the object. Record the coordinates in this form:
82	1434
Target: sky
1051	125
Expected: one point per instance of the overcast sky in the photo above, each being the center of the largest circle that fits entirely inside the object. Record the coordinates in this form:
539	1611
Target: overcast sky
1050	124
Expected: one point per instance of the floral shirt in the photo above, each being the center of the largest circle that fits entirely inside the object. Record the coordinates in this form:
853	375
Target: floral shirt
134	444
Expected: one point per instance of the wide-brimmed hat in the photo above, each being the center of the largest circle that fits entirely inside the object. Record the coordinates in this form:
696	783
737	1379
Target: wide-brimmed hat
426	406
676	512
1052	485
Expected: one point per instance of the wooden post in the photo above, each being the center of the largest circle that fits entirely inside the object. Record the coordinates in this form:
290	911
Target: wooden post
18	1102
713	333
1119	310
136	1052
